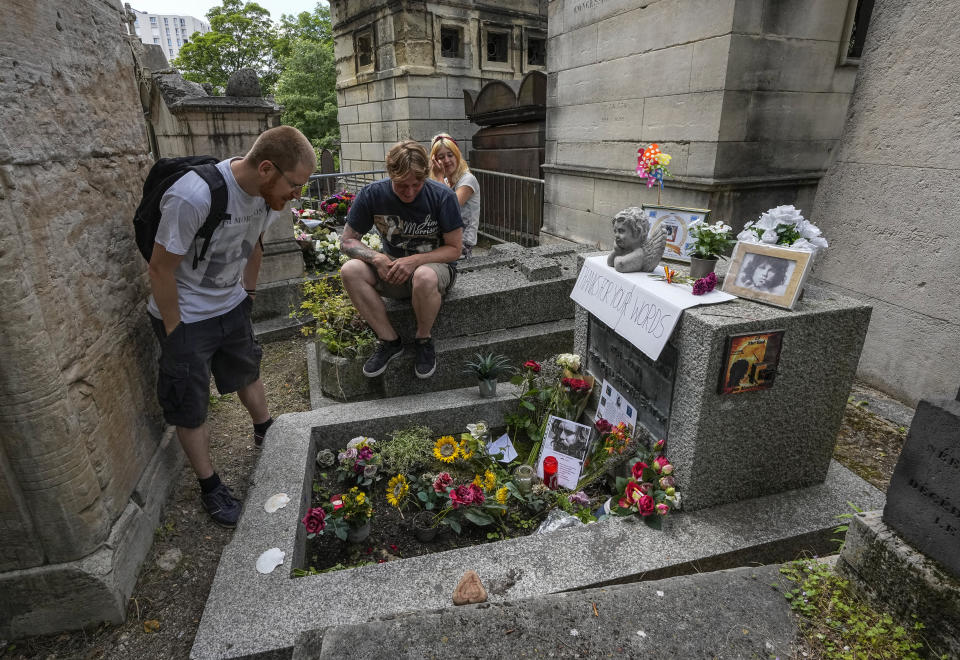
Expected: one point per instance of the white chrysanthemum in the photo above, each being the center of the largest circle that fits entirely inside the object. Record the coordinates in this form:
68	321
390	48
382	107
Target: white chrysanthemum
769	236
359	440
569	361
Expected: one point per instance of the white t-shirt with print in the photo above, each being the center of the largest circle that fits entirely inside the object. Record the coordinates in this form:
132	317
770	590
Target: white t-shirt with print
216	286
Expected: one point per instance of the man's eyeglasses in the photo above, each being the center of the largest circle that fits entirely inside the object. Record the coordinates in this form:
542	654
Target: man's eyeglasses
290	183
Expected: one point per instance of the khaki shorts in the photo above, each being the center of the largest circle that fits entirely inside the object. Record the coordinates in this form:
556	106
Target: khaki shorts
446	276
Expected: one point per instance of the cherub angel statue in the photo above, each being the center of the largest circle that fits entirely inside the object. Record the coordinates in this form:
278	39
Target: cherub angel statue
634	250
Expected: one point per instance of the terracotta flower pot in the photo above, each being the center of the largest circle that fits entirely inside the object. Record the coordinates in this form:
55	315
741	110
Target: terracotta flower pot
701	267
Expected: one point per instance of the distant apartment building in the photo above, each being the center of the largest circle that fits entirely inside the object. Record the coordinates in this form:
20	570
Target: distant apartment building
168	31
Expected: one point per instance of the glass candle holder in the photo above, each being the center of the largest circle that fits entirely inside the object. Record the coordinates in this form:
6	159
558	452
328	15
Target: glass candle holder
523	478
550	468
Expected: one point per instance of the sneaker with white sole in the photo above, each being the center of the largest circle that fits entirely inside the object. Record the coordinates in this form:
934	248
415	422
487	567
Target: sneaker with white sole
377	363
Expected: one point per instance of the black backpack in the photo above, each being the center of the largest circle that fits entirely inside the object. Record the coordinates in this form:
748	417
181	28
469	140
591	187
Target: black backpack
164	173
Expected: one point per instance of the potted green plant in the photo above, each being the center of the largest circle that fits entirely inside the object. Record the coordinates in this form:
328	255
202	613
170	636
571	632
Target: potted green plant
488	368
709	243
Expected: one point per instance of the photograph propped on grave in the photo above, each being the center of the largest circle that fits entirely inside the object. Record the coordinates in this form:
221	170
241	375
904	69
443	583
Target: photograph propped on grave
767	273
675	222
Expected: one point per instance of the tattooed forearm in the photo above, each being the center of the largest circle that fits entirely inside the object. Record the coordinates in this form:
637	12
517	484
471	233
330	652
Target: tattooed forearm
357	250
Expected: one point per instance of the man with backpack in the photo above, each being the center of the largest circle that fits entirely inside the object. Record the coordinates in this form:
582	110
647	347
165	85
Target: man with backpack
203	284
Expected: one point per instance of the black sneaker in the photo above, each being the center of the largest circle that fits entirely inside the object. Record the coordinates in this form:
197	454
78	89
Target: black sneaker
426	362
377	363
222	506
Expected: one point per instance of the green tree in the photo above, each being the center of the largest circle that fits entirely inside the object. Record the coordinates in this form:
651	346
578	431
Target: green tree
241	36
306	26
307	91
307	86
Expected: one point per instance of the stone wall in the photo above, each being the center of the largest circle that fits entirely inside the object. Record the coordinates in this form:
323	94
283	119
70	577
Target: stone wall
746	95
77	403
890	201
409	89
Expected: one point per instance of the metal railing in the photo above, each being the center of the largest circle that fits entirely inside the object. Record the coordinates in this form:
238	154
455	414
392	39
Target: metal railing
322	186
511	206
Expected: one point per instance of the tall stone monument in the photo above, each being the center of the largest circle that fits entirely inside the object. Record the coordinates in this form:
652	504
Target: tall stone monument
402	67
83	465
748	96
890	200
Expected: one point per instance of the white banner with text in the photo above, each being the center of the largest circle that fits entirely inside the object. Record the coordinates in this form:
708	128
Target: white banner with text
641	309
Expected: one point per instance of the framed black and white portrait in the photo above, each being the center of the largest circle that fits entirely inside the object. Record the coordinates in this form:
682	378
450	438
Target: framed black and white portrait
771	274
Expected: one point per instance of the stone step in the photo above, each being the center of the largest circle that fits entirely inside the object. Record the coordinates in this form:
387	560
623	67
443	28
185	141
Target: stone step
343	379
734	613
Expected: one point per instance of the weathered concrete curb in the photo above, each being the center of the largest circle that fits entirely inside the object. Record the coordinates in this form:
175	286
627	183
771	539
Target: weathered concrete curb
248	613
737	613
883	565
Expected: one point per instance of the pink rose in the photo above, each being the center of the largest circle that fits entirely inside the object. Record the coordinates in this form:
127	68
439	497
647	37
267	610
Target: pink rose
637	469
603	426
667	482
646	506
365	454
646	488
667	468
442	481
663	509
314	520
659	446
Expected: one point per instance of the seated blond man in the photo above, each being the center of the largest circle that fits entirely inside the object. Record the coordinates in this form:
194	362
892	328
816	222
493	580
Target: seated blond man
421	233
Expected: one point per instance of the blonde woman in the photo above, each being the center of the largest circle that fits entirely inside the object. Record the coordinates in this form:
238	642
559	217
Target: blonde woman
448	166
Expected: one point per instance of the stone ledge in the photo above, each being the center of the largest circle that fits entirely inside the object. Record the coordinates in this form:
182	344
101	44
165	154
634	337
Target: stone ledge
737	613
94	589
880	563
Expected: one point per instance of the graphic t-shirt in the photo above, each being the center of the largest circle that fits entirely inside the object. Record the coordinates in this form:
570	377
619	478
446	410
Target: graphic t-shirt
215	287
406	228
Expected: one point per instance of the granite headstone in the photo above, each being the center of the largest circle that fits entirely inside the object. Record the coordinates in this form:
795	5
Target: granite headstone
923	499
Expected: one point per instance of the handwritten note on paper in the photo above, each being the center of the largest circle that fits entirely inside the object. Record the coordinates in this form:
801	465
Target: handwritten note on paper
639	308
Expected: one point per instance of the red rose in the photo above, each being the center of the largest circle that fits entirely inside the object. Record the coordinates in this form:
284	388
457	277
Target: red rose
441	482
603	425
476	494
314	520
462	495
646	506
632	492
576	384
637	469
532	366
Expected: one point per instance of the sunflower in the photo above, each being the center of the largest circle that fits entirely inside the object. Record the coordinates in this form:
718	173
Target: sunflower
397	490
446	449
502	494
466	451
478	481
489	480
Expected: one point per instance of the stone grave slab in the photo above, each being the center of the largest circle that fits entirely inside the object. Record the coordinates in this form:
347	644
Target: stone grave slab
923	499
254	615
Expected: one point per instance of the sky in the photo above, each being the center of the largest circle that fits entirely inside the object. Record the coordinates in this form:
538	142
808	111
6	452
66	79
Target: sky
199	8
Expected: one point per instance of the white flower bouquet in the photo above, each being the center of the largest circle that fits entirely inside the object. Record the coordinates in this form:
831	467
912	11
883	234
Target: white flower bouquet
784	225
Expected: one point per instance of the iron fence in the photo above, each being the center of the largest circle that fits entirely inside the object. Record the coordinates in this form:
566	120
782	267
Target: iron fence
322	186
511	206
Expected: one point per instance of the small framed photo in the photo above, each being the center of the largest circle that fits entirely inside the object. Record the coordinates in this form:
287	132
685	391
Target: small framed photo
675	222
750	362
770	274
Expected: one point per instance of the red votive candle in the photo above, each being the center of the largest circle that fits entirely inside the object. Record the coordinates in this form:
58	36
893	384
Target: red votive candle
550	467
